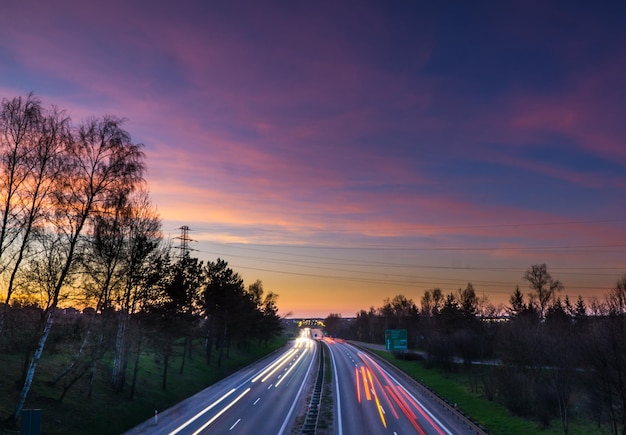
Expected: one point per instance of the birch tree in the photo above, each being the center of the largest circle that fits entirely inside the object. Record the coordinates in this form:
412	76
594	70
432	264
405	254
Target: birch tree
33	199
142	236
101	161
101	262
19	120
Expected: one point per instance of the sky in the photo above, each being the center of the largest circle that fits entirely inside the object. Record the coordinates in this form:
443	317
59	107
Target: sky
344	152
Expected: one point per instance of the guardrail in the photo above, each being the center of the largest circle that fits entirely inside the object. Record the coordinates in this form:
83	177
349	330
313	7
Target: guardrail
312	416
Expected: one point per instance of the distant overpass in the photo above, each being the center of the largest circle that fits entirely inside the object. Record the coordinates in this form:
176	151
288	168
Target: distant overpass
312	328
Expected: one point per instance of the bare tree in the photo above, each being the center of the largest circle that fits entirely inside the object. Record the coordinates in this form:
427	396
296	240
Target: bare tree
560	356
33	199
616	300
606	356
101	162
103	263
543	285
31	140
142	237
19	120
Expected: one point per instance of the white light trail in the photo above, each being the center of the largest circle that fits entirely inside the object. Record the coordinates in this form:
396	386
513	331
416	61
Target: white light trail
292	367
216	416
279	362
195	417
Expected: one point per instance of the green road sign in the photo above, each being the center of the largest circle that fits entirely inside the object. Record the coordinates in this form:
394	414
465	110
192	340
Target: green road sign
395	339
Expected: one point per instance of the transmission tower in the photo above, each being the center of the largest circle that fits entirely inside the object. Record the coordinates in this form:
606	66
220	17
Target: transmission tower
184	241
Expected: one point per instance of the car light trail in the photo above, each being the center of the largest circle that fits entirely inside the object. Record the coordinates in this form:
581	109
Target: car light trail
358	384
195	417
226	408
384	392
433	421
287	419
292	367
374	380
368	395
406	410
423	411
380	408
404	407
279	362
393	388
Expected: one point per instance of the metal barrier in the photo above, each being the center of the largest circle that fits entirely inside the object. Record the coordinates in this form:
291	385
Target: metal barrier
312	416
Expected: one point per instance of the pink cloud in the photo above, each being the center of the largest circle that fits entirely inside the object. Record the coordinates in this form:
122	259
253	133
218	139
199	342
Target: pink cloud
262	134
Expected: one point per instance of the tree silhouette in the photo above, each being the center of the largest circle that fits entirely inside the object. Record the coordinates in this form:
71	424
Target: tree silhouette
100	162
544	287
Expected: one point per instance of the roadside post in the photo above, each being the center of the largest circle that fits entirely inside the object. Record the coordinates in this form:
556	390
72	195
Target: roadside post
30	422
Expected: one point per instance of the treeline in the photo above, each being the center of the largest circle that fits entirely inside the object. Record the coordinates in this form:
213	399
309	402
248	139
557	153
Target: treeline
77	228
544	358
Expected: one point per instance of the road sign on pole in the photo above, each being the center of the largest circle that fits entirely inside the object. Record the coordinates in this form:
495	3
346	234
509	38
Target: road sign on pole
395	339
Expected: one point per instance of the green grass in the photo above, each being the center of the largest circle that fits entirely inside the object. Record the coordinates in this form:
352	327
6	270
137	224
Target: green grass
109	413
457	388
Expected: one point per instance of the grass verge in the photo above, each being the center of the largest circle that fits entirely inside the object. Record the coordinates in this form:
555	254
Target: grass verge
109	413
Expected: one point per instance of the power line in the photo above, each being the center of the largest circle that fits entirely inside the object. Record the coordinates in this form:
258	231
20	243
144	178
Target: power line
405	280
365	263
369	265
412	283
434	248
331	265
496	225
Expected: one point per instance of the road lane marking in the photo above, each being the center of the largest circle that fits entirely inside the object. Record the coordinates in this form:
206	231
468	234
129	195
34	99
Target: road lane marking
339	425
195	417
278	362
226	408
256	401
291	368
233	426
296	400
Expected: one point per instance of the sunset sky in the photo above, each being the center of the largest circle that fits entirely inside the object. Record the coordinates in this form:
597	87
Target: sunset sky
344	152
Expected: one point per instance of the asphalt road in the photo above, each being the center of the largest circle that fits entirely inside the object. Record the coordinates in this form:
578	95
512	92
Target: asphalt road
263	398
372	397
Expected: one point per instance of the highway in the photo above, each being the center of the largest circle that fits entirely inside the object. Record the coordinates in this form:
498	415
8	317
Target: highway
371	397
263	398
